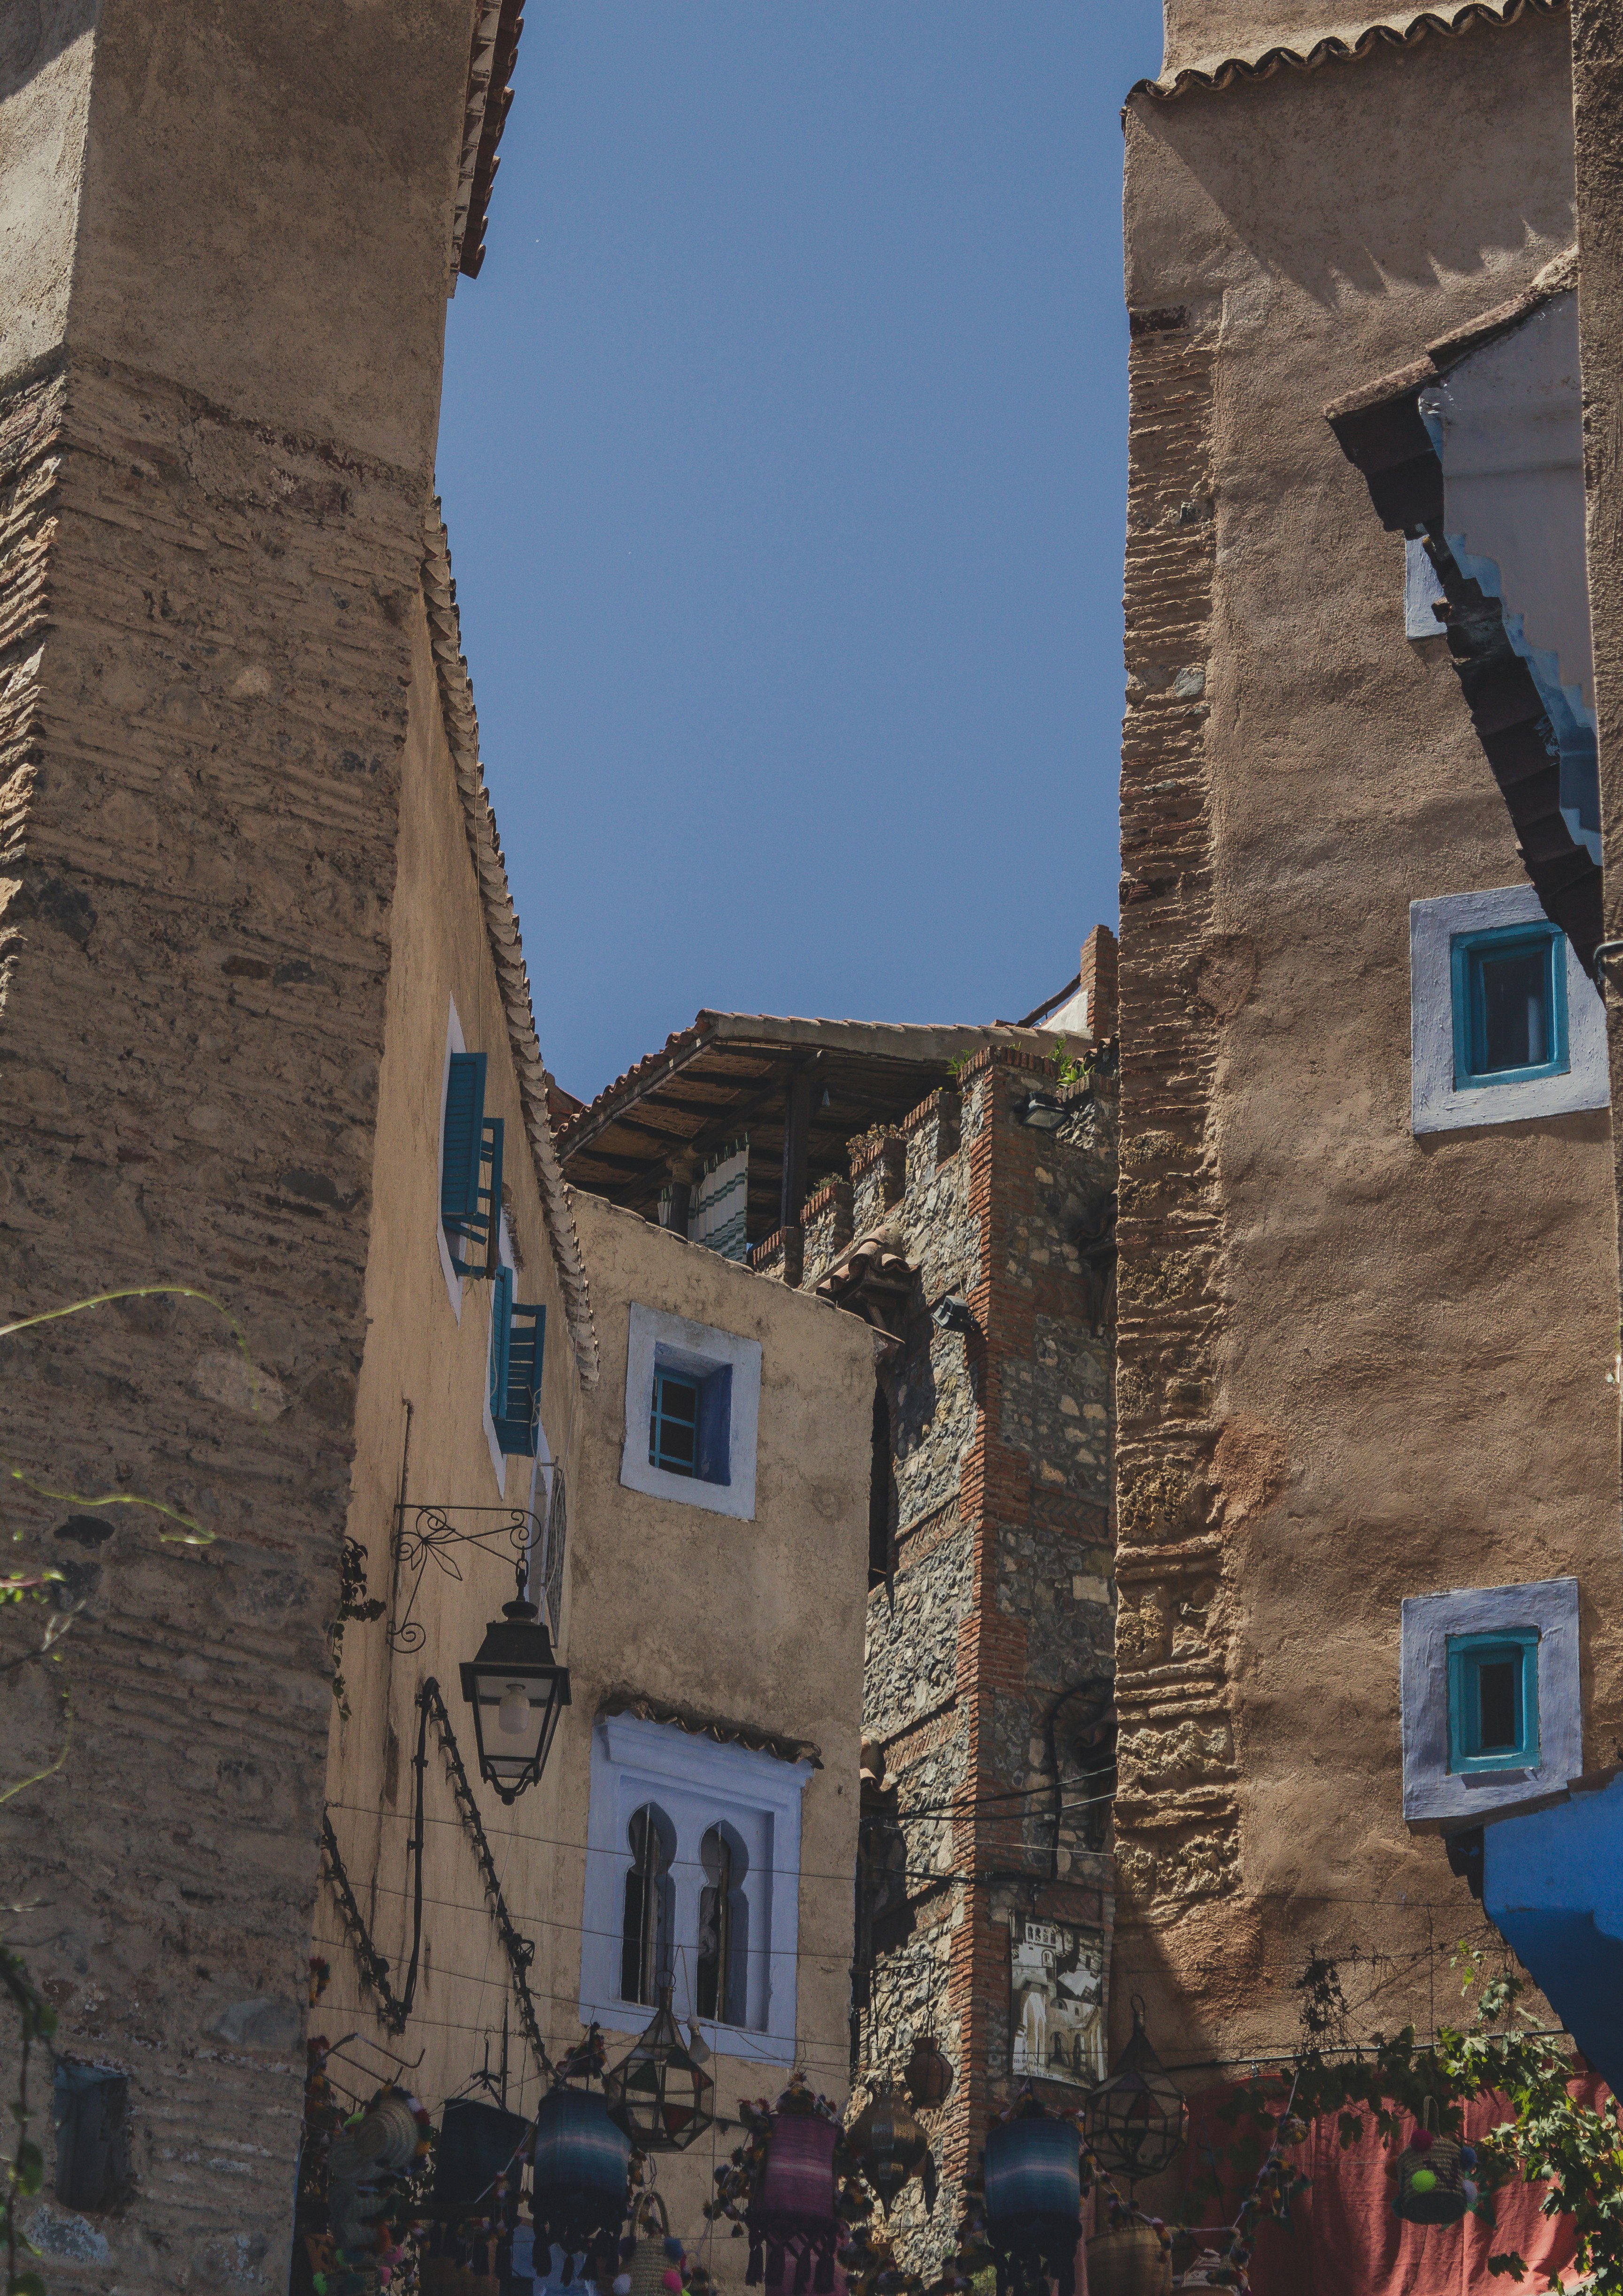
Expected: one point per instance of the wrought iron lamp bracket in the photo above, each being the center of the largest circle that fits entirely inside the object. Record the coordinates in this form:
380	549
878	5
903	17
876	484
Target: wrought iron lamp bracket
434	1529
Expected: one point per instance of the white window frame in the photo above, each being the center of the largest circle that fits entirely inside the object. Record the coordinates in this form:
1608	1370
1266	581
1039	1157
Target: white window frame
1437	1105
454	1044
698	1784
1437	1799
655	1340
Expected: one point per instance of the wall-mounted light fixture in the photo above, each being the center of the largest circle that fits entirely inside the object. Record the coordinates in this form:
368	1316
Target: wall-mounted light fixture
951	1314
517	1690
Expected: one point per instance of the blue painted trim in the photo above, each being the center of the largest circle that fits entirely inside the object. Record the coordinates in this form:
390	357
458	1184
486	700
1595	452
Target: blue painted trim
1467	1656
1465	954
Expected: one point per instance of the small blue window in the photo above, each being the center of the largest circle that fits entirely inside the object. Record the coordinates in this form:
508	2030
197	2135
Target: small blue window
1509	1005
1493	1700
470	1201
690	1423
517	1335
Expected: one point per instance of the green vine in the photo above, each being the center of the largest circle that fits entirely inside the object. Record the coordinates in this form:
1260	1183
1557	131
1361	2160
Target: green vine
353	1607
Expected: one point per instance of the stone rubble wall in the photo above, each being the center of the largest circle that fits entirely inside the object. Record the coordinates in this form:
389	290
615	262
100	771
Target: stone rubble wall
203	684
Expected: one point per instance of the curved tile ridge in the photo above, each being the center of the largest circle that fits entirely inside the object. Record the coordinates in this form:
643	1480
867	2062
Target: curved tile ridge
501	928
1403	27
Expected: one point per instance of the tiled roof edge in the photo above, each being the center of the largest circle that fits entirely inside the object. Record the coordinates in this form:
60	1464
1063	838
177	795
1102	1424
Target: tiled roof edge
698	1724
502	931
496	27
1451	23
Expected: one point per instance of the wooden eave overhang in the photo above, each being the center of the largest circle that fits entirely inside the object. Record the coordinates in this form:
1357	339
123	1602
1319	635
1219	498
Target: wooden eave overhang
730	1074
1381	432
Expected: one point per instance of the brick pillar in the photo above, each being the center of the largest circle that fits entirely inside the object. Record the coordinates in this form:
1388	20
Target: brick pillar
1098	982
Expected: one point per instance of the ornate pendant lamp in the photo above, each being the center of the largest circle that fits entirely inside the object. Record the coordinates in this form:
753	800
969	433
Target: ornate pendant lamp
792	2213
1138	2120
657	2092
517	1691
889	2147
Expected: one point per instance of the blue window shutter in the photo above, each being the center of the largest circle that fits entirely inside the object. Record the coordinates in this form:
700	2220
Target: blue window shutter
518	1417
464	1122
501	1343
470	1208
715	1457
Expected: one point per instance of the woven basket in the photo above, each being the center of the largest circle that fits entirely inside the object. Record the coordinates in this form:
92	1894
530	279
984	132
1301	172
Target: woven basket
649	2262
1128	2262
1443	2202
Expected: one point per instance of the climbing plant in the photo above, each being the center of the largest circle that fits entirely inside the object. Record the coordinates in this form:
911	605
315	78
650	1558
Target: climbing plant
1549	2137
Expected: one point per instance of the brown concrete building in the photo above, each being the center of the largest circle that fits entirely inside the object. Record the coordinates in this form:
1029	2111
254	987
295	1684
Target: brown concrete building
266	1033
1368	1239
970	1228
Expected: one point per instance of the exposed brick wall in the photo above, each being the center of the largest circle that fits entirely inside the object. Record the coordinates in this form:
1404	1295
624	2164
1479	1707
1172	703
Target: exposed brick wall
1176	1825
1001	1595
204	677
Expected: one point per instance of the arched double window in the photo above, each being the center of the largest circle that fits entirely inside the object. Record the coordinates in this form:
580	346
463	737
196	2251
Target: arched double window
723	1963
649	1925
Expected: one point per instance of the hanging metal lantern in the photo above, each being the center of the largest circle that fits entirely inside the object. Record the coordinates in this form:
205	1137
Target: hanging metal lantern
1433	2187
1034	2201
889	2147
929	2077
791	2212
517	1690
1138	2120
657	2094
582	2178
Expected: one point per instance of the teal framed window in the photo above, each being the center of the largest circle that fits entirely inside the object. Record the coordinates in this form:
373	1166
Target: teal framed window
672	1426
470	1169
1509	1005
1493	1700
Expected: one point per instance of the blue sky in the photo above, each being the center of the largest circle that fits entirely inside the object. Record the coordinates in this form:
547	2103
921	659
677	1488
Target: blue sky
784	455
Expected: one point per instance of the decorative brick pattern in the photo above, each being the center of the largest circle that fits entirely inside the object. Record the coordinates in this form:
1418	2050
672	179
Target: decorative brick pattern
1171	1659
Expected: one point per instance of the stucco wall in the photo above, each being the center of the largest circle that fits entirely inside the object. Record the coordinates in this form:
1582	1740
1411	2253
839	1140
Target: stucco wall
1354	1364
756	1622
419	1352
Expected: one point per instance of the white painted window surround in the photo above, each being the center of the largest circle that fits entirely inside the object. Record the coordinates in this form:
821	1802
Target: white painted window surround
454	1044
697	1784
1435	1105
1421	591
657	1341
1437	1800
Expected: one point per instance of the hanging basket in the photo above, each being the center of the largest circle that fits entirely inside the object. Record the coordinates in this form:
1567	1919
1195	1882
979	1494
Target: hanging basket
651	2258
582	2167
1432	2188
1034	2204
792	2212
1130	2261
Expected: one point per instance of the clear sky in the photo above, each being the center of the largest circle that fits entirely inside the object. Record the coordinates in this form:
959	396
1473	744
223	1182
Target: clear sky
783	455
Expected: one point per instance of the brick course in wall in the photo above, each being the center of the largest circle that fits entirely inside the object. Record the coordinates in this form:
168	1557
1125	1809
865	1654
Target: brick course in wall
1000	1595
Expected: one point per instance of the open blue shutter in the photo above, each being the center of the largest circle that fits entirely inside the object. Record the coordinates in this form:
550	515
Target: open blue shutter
518	1420
470	1212
501	1341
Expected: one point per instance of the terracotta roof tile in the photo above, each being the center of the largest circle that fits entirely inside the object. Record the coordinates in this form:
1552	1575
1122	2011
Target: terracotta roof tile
1400	28
496	27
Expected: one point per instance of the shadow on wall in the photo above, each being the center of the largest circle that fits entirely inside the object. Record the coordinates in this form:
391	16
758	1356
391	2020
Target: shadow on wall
34	32
1359	179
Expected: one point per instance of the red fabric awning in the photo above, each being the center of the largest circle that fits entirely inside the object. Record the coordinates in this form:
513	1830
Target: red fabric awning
1347	2242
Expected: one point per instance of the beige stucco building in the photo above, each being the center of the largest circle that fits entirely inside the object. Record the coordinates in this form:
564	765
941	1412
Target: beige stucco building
1368	1243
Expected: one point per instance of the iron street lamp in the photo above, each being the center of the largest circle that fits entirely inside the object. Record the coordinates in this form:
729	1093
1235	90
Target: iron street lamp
517	1690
